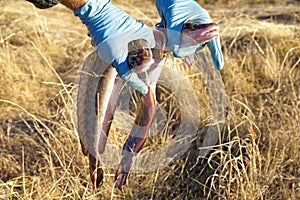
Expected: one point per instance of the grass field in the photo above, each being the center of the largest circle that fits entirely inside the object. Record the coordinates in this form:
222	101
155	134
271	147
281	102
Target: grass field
40	156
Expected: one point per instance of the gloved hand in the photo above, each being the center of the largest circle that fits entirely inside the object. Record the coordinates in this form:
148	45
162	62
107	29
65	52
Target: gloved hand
111	30
174	14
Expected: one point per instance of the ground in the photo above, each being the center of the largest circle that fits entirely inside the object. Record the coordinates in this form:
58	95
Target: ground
41	52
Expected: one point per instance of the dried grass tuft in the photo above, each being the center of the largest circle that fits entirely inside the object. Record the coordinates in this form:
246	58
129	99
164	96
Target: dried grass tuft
40	156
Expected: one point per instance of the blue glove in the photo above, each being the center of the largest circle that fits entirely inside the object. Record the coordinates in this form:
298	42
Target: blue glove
174	14
111	30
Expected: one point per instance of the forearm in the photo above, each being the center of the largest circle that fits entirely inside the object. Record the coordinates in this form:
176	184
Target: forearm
71	4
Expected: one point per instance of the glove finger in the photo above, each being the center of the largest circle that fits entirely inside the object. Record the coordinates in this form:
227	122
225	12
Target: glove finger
216	53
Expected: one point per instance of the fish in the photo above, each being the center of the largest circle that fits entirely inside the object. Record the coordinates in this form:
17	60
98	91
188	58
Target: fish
198	33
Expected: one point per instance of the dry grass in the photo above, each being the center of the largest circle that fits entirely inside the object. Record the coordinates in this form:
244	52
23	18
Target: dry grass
40	157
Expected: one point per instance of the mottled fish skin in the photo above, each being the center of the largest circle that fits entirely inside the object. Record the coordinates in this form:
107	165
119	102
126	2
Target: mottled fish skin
139	54
96	172
191	26
135	141
197	33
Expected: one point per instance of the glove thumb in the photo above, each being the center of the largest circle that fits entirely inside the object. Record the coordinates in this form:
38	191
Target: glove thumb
135	82
216	53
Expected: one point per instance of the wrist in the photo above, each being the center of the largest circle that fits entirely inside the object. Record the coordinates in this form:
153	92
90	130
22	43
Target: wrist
73	4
